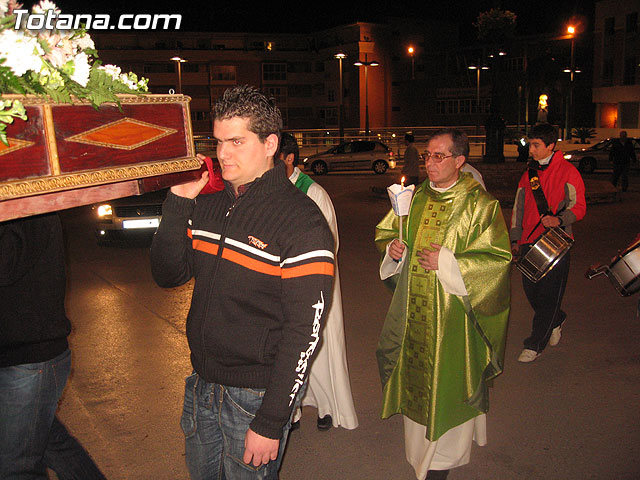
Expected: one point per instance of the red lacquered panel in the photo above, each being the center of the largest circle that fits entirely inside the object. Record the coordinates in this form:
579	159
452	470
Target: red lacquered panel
26	155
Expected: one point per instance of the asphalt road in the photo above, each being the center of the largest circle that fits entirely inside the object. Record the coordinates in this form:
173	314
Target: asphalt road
572	414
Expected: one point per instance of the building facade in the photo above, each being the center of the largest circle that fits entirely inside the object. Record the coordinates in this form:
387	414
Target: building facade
616	75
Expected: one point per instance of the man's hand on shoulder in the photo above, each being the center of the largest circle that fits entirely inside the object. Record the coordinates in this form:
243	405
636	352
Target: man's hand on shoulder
193	188
259	450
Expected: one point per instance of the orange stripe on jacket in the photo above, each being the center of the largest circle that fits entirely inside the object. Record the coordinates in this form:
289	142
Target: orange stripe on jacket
250	263
205	247
316	268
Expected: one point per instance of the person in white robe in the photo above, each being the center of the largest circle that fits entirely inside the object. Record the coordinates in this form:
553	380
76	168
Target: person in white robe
329	388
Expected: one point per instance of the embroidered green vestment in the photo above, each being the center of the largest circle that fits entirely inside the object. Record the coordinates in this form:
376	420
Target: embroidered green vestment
435	354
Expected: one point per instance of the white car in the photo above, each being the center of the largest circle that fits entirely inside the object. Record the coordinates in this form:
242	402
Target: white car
596	157
355	155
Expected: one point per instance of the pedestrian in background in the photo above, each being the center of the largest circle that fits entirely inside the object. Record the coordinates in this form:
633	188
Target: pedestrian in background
621	155
411	167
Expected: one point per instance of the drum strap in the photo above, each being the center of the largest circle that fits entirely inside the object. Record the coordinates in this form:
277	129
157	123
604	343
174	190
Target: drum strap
541	201
538	194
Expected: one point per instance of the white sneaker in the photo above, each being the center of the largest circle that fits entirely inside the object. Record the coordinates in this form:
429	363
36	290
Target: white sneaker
556	335
528	356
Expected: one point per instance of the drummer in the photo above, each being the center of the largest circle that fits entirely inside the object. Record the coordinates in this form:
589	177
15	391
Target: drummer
562	204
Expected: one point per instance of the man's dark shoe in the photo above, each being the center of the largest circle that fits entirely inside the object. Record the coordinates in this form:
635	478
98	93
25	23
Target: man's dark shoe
437	474
325	423
295	426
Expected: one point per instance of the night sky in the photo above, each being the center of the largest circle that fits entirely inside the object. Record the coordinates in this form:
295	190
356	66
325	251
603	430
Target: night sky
299	16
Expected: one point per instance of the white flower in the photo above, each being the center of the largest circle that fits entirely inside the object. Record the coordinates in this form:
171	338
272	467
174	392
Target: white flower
81	69
22	52
45	5
112	70
4	6
84	42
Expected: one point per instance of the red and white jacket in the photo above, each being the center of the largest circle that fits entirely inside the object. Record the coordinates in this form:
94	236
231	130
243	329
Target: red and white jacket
564	190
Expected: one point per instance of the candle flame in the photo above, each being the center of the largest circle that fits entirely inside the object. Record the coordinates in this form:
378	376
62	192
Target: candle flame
402	182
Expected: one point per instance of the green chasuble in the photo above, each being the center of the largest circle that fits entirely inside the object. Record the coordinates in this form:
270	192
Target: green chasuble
438	351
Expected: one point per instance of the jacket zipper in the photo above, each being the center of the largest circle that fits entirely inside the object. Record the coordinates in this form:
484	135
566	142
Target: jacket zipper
223	234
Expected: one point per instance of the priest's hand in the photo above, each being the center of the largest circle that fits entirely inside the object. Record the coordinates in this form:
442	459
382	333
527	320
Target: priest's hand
396	248
193	188
428	259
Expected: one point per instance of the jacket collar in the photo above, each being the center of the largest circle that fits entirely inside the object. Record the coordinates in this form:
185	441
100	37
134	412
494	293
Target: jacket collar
271	180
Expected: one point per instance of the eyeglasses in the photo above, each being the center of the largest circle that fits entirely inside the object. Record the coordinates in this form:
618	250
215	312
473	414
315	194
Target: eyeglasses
436	157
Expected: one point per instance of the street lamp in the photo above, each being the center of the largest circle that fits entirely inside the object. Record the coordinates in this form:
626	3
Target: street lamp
477	68
341	56
179	61
411	51
571	31
366	64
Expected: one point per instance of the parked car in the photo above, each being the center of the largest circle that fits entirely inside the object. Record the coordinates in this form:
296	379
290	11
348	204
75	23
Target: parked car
129	217
596	157
355	155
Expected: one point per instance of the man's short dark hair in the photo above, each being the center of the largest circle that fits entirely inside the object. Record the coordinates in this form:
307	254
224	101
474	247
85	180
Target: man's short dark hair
458	137
409	137
248	102
289	145
545	132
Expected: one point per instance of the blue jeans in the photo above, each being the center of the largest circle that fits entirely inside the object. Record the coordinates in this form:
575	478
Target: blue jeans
215	420
31	436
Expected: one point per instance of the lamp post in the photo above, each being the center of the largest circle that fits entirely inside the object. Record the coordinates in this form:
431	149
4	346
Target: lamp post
411	51
340	56
179	61
477	68
366	64
571	31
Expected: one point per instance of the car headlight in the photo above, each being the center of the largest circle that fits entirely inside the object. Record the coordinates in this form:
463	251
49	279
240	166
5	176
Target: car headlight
567	156
306	159
104	210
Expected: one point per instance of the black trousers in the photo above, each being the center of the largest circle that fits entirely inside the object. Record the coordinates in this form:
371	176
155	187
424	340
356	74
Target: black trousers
545	297
621	172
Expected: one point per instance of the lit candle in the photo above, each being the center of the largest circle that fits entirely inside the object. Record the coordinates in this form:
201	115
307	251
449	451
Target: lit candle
402	183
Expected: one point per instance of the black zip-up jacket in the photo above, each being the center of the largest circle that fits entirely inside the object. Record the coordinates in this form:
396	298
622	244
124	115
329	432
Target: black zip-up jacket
263	268
33	323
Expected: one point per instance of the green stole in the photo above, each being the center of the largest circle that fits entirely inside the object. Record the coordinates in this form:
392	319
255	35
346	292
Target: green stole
303	182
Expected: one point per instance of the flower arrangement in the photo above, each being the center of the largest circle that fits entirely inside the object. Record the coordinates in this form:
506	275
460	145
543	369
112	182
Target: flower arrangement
61	65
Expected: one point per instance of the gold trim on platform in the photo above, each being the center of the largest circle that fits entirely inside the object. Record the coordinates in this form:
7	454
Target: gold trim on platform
29	100
25	188
83	137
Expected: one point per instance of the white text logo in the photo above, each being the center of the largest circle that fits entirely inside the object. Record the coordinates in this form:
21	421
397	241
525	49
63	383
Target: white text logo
306	355
128	21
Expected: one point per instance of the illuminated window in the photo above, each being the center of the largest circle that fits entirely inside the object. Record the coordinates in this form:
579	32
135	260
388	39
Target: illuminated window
608	115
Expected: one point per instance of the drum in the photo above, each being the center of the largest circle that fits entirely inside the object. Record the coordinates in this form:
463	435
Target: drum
545	254
624	270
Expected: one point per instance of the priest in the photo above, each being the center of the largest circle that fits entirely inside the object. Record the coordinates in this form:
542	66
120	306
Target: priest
443	339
